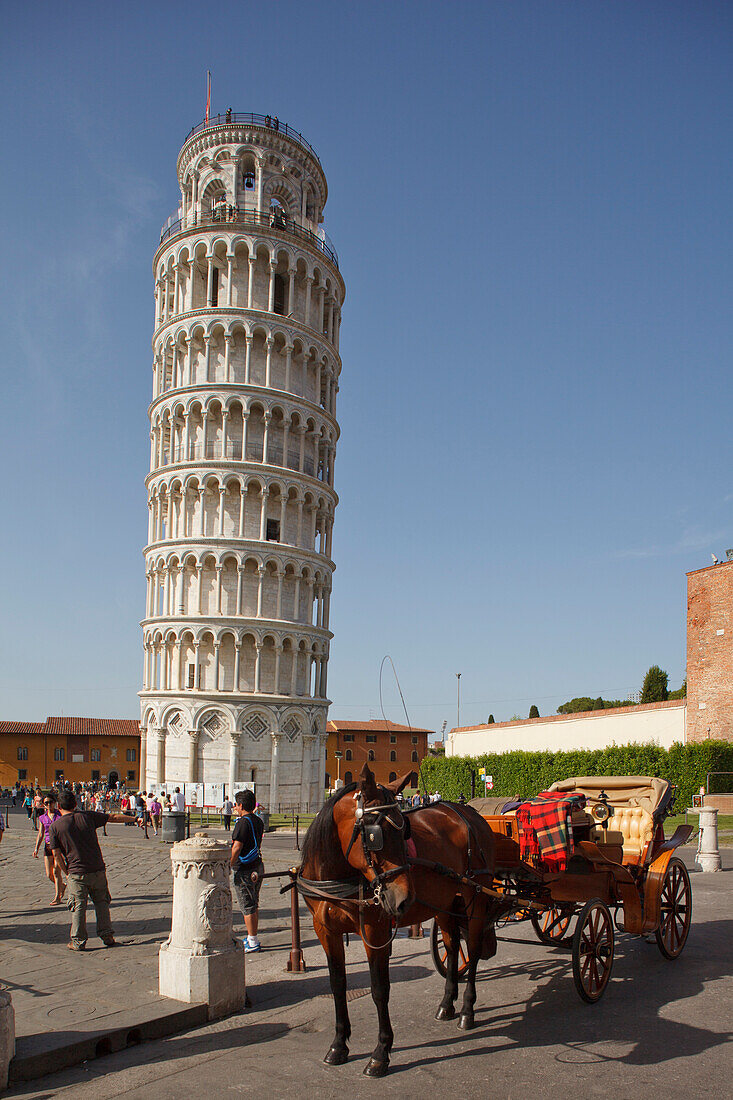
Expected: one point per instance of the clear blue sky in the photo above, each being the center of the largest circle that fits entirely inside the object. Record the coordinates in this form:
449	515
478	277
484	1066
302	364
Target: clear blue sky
532	206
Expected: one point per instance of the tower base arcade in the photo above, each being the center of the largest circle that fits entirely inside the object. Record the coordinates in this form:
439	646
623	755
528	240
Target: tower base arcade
277	746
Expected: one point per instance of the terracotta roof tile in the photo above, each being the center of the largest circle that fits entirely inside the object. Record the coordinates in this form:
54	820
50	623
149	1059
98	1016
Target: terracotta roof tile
22	727
93	727
374	725
637	709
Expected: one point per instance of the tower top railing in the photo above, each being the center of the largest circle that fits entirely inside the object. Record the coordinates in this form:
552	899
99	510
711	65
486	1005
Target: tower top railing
226	214
269	122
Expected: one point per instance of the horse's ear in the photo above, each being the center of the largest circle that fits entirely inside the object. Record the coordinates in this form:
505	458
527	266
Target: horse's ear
368	783
397	784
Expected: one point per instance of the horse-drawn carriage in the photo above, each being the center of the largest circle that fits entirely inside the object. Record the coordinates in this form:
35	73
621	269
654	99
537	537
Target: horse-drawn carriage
590	849
619	870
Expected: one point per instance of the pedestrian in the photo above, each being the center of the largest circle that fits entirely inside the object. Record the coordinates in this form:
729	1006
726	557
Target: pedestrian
28	805
73	839
37	807
246	862
140	809
156	811
45	821
226	813
179	802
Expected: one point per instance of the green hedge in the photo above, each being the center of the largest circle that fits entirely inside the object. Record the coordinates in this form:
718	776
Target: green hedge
527	773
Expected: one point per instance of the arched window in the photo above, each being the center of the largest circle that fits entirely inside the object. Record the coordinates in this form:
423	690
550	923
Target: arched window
22	753
58	754
370	755
349	754
392	756
279	303
414	758
392	777
348	778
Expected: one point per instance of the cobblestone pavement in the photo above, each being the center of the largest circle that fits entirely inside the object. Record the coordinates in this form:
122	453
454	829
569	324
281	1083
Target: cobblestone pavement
56	989
661	1028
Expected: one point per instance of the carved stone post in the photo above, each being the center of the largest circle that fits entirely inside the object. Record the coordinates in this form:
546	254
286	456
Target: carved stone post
201	961
708	854
7	1037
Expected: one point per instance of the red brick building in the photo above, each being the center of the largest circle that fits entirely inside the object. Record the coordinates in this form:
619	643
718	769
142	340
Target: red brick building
710	652
78	749
390	749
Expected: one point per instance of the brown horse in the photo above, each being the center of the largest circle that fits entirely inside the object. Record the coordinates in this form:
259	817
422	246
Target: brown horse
357	877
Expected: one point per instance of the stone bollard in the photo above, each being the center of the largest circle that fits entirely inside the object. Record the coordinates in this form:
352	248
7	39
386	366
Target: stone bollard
7	1036
201	961
708	855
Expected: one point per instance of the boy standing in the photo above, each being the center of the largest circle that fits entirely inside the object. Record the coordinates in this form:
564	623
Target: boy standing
247	864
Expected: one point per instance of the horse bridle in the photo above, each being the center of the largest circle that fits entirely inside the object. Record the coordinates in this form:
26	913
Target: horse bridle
369	826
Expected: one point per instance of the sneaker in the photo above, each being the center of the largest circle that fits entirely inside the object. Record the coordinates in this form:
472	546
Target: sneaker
251	947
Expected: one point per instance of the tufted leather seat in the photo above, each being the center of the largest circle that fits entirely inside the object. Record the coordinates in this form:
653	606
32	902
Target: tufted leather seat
631	826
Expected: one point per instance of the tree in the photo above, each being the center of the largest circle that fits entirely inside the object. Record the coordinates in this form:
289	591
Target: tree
491	720
533	712
681	693
654	689
584	702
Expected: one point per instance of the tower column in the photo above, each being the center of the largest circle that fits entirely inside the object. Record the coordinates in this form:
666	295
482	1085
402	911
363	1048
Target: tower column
193	741
306	770
233	763
274	770
160	757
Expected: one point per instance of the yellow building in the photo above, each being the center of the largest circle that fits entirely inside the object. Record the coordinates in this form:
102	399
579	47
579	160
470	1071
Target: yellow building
77	749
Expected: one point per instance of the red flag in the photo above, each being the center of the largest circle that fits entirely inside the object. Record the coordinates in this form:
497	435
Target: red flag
208	94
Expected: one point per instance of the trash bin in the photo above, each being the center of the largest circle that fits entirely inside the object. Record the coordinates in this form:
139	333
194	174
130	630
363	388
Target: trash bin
174	827
265	815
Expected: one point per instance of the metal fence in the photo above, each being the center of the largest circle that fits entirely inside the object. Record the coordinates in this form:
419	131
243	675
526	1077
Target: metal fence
228	214
269	122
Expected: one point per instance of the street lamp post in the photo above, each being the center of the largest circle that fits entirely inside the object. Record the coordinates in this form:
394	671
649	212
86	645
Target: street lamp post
337	756
458	702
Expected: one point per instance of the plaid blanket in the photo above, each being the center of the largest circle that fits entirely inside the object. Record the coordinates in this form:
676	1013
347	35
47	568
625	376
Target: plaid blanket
545	831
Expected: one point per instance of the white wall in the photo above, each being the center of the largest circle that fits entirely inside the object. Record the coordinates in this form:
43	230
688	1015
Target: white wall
663	723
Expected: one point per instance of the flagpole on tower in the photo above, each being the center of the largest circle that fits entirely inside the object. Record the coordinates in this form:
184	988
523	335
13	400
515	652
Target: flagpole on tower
208	94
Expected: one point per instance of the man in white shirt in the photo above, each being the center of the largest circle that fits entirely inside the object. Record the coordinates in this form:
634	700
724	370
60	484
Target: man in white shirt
179	802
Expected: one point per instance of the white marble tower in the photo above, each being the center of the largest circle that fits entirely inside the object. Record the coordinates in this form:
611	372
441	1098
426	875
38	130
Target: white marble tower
248	300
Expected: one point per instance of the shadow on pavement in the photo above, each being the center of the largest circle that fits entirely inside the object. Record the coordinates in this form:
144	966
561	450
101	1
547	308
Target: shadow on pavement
630	1014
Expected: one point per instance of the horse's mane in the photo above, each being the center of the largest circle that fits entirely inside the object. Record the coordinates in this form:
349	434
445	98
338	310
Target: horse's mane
319	852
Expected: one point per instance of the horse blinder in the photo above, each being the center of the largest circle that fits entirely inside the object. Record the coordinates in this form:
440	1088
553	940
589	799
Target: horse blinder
372	838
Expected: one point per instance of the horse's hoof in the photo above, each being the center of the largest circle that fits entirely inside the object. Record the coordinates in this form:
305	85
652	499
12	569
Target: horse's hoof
337	1056
465	1022
446	1013
373	1068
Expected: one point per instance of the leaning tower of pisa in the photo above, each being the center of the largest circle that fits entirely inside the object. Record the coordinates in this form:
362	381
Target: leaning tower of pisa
243	434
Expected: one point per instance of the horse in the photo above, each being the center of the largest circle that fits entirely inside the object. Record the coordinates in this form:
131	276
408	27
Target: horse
357	877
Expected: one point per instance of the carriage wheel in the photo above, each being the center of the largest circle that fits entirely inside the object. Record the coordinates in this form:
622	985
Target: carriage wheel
551	925
440	952
676	910
593	950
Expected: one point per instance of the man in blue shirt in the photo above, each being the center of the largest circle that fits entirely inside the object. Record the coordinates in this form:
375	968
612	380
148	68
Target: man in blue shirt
247	865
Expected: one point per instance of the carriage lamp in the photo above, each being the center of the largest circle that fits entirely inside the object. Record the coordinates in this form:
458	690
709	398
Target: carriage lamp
602	810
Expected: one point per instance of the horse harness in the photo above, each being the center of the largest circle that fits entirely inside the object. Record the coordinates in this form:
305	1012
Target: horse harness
351	890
